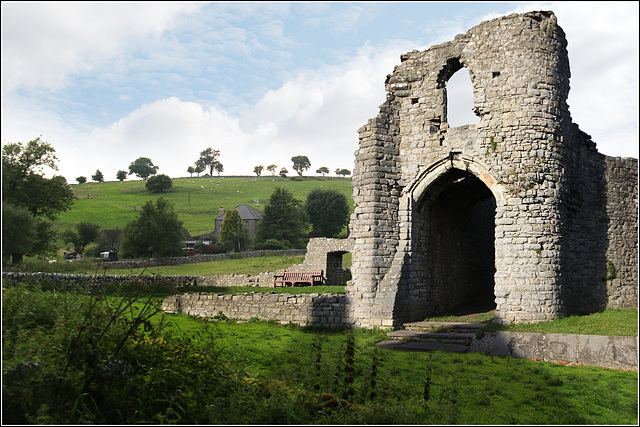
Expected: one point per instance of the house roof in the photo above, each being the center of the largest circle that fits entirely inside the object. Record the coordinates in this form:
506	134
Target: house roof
246	212
111	234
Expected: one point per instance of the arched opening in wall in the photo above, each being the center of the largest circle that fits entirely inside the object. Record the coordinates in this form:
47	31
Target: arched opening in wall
456	245
455	80
460	100
338	270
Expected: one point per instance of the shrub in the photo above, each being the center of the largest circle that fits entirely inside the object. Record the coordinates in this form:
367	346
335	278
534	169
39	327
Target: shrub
159	184
273	244
77	359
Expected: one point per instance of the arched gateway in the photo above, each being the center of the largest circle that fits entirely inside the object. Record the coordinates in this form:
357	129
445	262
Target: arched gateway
519	211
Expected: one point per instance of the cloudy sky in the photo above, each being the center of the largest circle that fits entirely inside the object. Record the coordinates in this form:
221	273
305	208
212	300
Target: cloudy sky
107	82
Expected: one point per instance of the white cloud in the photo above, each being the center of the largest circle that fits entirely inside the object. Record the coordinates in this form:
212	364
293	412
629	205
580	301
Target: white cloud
42	46
170	132
602	42
317	114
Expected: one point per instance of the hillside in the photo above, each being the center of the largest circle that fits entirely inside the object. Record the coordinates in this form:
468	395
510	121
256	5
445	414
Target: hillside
197	201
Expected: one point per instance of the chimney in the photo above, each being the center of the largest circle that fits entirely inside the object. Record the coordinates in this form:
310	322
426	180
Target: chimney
221	211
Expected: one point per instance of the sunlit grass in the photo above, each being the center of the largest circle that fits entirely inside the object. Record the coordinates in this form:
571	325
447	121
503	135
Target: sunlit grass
607	322
249	265
196	200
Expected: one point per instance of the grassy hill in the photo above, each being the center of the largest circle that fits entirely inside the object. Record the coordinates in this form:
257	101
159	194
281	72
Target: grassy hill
197	201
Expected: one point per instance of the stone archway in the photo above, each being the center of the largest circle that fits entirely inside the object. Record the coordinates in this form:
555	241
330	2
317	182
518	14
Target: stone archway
453	237
561	210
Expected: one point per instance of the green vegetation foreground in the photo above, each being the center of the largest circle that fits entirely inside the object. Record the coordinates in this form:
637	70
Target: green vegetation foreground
71	358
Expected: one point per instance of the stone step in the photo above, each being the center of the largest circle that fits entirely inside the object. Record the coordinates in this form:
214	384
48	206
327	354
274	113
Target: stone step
423	346
435	326
438	337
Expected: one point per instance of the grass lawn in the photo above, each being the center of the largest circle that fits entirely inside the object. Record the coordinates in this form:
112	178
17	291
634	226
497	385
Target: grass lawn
196	200
274	373
251	265
607	322
463	388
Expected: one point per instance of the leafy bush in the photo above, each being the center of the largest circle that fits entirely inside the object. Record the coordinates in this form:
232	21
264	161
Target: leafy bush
273	244
159	184
211	248
76	359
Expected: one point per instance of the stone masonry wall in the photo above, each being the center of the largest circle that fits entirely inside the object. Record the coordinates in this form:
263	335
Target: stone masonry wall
326	254
88	281
321	310
622	233
555	207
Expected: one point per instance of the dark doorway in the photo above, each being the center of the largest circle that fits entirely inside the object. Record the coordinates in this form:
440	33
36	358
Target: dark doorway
337	273
457	234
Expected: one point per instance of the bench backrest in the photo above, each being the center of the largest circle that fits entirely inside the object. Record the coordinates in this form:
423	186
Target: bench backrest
302	274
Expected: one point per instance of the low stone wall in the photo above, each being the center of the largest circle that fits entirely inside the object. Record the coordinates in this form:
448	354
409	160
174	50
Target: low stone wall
322	310
82	281
68	281
616	352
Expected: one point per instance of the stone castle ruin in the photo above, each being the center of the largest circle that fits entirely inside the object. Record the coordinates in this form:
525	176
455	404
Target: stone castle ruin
519	211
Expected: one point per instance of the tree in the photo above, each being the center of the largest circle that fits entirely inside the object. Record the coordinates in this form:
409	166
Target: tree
98	176
258	170
283	219
283	172
300	164
28	158
121	175
143	168
323	170
18	233
24	189
328	212
156	232
190	171
81	179
22	182
218	167
159	184
44	197
198	168
209	159
23	234
272	169
84	234
233	234
344	172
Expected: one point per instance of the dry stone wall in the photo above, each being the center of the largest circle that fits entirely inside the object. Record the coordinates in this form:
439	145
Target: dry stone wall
555	209
321	310
326	254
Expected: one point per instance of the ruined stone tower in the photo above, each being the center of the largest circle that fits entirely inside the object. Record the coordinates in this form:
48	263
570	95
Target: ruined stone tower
520	210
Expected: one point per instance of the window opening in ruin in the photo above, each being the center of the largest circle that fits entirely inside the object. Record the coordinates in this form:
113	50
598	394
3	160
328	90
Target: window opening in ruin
338	270
457	245
459	97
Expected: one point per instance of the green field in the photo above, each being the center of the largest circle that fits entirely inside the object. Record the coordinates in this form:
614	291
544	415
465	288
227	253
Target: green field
71	358
197	201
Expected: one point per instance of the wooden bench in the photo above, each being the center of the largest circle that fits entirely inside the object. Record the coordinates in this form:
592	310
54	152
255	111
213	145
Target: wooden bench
293	277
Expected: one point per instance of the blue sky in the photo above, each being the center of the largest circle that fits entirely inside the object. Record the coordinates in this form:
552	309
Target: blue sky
106	83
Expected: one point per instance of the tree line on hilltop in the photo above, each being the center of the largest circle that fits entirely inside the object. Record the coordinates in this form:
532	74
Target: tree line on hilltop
144	169
31	203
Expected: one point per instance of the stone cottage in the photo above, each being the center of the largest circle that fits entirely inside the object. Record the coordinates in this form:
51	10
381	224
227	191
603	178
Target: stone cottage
250	217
